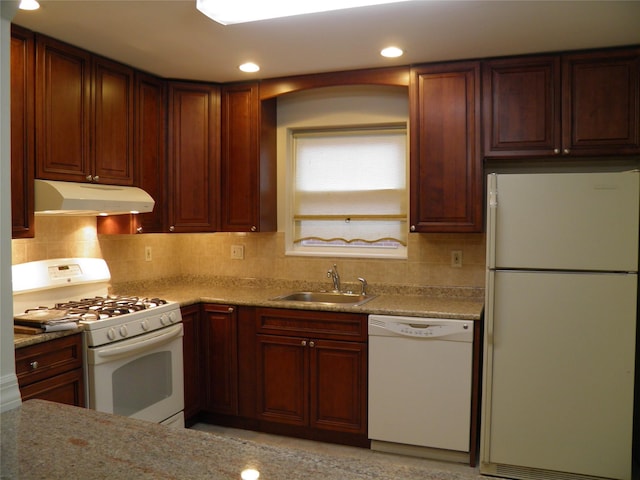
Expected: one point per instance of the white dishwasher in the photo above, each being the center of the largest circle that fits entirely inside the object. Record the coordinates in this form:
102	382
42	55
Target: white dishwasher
420	384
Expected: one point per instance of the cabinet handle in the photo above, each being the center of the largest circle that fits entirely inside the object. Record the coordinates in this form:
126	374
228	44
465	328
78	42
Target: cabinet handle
254	228
34	365
303	343
312	344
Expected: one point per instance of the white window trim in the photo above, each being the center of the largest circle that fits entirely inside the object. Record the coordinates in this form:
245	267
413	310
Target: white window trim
293	249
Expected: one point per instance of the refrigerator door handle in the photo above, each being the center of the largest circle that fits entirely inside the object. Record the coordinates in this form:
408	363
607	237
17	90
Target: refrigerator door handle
492	212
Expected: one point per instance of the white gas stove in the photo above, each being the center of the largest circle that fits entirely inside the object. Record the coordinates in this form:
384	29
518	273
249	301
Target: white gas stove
132	345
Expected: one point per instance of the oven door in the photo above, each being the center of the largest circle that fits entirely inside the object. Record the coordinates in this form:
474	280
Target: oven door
141	377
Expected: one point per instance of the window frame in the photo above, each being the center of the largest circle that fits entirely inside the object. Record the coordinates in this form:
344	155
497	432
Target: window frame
294	249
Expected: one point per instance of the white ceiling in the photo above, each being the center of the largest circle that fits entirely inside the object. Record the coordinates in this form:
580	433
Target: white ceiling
170	38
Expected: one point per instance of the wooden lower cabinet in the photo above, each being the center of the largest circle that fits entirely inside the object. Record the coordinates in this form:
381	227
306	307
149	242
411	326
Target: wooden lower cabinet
315	383
52	371
220	358
314	377
193	391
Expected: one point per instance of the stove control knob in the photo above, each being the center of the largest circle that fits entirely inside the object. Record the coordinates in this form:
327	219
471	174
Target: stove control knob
123	331
145	325
164	320
111	334
172	317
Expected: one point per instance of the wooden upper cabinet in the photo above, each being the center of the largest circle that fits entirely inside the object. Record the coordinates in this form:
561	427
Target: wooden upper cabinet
601	103
248	160
446	168
22	132
84	116
521	106
193	157
112	136
63	111
150	152
583	104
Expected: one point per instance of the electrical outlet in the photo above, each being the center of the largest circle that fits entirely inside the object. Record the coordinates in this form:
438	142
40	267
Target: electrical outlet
147	254
456	258
237	252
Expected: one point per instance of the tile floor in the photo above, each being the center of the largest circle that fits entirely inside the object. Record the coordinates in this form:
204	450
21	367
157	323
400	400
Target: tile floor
441	470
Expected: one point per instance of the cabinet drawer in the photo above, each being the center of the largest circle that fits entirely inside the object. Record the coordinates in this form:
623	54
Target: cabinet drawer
47	359
328	325
65	388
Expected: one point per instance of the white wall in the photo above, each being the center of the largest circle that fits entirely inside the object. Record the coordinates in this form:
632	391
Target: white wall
9	393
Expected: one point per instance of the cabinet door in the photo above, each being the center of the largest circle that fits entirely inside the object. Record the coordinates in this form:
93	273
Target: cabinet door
248	162
282	378
193	391
601	103
22	132
221	358
446	166
521	107
112	136
150	152
193	157
338	385
63	111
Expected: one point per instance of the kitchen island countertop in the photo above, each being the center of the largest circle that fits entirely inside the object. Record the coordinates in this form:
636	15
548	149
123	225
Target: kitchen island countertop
53	441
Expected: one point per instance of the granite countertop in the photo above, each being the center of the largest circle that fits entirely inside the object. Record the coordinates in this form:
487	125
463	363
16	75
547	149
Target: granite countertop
45	440
438	302
435	302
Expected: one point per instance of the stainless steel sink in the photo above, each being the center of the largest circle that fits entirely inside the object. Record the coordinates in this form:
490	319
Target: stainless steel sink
326	298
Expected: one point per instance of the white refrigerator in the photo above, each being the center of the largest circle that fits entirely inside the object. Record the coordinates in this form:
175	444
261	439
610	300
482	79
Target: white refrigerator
560	325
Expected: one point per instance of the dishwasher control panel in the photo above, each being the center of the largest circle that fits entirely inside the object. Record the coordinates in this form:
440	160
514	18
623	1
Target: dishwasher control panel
418	327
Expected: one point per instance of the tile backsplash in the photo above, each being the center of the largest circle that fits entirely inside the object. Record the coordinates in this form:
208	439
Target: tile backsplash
429	261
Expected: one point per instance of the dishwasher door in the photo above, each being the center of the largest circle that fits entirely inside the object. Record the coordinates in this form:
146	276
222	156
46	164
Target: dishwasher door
420	385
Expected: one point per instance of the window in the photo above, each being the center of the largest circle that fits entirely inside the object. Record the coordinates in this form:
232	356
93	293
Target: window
349	194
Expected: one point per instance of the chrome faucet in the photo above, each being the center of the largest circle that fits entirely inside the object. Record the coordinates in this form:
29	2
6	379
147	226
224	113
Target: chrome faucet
335	277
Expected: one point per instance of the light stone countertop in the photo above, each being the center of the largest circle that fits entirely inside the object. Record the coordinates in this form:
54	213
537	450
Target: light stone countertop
438	302
434	302
45	440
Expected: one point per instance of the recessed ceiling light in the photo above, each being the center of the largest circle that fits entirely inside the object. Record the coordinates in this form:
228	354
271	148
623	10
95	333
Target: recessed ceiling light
29	5
241	11
391	52
249	67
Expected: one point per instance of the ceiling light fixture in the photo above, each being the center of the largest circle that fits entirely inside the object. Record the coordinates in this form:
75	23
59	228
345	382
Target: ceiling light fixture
249	67
391	52
241	11
29	5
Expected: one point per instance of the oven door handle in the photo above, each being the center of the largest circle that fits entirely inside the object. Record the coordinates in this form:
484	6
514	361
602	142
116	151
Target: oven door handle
164	336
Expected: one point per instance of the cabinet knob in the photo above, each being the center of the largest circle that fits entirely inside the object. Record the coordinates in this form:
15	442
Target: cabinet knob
172	228
89	178
312	344
139	230
230	310
303	343
254	228
34	365
566	151
556	151
412	228
96	178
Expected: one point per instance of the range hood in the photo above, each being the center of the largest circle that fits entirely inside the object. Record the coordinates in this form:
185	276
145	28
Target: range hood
70	198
